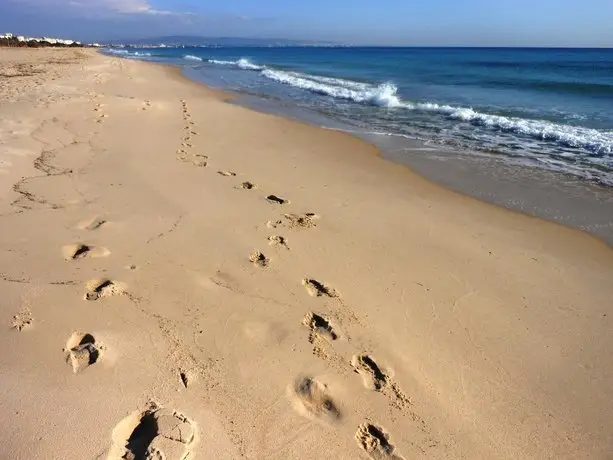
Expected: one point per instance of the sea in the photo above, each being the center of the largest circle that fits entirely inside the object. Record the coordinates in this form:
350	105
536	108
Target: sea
537	115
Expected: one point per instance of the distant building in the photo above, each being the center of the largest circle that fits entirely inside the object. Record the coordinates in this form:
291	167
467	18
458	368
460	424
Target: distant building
8	39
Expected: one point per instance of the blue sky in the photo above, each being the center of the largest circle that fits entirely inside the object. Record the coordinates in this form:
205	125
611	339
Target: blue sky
401	22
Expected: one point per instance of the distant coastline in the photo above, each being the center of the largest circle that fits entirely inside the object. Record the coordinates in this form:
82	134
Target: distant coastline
21	41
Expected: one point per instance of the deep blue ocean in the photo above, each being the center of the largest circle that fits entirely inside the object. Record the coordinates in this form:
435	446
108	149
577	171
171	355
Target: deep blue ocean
550	108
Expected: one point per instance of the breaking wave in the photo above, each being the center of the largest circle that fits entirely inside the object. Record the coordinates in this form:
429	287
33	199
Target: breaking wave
190	57
243	63
386	95
126	53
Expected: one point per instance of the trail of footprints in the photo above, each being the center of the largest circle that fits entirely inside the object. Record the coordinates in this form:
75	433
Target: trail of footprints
310	397
99	109
160	433
186	151
156	433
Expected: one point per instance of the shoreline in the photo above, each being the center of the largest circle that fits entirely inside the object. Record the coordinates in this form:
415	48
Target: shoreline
529	190
275	289
520	198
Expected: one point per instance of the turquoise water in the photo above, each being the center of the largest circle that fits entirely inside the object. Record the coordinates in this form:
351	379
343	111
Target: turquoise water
551	108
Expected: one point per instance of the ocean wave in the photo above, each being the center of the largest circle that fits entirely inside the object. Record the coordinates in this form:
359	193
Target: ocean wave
190	57
116	51
597	142
592	140
126	53
386	95
242	63
383	95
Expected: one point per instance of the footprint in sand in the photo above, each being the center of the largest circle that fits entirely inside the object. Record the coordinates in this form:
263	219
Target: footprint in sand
373	440
374	378
259	259
274	223
295	221
248	186
311	399
22	320
276	240
321	333
82	251
81	351
97	289
377	378
274	199
319	326
156	433
226	173
92	224
200	160
318	289
306	220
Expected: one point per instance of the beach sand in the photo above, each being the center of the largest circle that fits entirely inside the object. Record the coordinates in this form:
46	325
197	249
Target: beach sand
187	276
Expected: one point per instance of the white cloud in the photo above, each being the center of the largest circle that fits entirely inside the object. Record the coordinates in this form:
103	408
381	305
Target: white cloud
132	7
102	6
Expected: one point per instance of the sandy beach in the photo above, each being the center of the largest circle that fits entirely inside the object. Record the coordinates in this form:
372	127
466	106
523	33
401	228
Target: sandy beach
185	278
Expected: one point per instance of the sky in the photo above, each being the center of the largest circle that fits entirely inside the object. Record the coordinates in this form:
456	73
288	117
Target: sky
381	22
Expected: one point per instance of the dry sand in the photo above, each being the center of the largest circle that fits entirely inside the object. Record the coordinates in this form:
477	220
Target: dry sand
154	299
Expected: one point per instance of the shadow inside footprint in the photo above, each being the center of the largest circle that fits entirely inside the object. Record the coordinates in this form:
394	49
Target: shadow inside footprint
319	326
375	442
259	259
373	375
103	288
142	436
276	200
317	289
248	186
92	224
276	240
81	351
82	251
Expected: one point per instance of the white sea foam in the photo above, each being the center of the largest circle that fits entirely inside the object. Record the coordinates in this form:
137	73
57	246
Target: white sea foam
242	63
116	51
126	53
383	95
190	57
593	140
245	64
215	61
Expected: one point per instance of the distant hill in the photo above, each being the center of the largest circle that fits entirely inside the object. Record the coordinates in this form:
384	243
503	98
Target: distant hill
187	40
